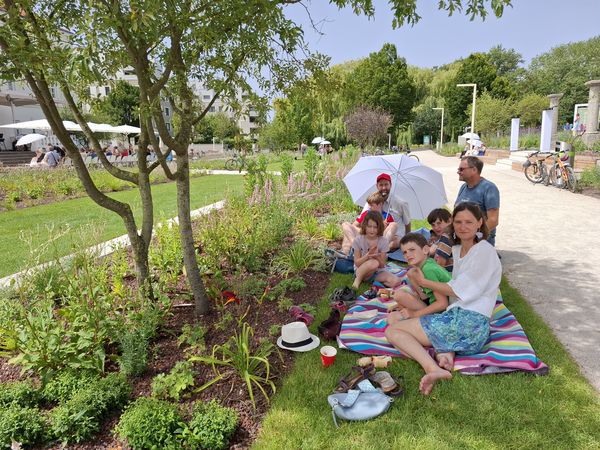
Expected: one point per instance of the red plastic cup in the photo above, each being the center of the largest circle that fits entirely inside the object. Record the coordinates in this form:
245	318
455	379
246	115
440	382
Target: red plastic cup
328	354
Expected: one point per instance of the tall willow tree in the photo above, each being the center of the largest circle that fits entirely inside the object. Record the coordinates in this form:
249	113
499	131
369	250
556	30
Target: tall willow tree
169	44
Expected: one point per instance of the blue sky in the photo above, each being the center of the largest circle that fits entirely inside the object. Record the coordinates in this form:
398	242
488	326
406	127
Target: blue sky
531	27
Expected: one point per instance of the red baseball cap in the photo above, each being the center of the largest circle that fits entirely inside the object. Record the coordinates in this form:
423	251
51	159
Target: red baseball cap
384	176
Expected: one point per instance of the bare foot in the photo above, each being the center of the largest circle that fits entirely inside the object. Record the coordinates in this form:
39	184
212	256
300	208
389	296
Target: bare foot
445	360
429	380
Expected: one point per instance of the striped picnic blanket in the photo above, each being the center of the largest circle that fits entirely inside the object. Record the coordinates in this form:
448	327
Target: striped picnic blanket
507	350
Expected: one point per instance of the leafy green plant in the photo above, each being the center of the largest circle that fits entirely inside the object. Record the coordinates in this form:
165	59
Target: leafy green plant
307	307
166	257
79	417
134	352
24	425
149	423
249	288
308	226
224	321
211	426
284	304
251	364
298	257
22	393
193	337
311	164
173	384
66	383
287	165
331	231
274	330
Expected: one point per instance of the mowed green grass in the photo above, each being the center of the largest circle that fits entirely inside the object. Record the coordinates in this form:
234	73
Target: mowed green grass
509	411
38	222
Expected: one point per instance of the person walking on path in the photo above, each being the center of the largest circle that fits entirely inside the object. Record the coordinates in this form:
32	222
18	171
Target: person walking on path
478	190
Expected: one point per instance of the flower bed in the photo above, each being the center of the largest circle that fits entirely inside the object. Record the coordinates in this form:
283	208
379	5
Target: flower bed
260	255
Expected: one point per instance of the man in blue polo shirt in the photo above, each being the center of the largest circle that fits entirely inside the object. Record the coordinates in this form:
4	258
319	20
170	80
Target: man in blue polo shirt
479	190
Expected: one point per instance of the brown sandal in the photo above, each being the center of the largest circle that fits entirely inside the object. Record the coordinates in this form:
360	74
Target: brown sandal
354	377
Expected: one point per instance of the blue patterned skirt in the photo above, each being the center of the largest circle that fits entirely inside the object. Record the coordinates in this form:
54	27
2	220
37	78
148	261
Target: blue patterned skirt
456	330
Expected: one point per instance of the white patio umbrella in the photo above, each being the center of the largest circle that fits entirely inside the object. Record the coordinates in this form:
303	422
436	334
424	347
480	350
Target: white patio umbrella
29	138
325	143
418	185
127	129
41	124
470	135
317	140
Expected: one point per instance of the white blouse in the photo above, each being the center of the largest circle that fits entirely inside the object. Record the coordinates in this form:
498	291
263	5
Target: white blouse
476	278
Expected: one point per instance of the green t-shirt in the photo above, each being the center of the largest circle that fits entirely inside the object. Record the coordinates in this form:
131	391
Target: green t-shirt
432	271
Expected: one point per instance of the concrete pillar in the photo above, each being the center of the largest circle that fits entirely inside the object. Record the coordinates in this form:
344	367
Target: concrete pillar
554	102
592	133
591	125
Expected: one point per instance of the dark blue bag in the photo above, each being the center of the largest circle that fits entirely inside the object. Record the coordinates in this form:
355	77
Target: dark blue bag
344	265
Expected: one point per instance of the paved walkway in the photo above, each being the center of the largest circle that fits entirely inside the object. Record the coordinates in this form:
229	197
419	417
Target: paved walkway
549	243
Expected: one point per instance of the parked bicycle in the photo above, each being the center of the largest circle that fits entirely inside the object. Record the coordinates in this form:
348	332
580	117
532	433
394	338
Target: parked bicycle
534	168
561	174
237	162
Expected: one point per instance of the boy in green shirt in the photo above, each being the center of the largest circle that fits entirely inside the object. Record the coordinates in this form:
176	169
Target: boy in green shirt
411	303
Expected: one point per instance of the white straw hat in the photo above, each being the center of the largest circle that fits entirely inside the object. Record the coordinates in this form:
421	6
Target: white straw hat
296	337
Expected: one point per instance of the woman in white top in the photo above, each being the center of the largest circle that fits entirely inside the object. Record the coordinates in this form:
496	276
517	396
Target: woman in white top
465	326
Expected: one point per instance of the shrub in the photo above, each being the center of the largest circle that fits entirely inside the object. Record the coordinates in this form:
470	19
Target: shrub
166	256
150	423
79	417
311	164
250	288
22	393
177	381
66	383
590	177
211	426
22	425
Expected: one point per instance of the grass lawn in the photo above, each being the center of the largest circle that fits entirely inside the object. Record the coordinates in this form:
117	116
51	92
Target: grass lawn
275	164
15	255
510	411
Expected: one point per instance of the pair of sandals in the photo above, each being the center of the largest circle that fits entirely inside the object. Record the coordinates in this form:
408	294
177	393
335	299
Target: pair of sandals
345	295
381	379
330	328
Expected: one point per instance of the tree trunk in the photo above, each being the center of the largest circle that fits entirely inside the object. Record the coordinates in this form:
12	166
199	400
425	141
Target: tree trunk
187	238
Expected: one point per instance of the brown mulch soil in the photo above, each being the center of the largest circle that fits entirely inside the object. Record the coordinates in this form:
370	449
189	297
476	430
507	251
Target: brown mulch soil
231	391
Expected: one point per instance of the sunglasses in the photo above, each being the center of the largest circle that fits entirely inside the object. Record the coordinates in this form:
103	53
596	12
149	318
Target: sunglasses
461	169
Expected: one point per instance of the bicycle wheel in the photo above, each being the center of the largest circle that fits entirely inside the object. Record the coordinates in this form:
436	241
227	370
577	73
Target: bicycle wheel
571	180
230	164
558	180
533	173
414	156
550	177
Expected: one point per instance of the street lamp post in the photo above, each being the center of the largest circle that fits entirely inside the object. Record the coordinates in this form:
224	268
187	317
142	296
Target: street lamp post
474	86
441	128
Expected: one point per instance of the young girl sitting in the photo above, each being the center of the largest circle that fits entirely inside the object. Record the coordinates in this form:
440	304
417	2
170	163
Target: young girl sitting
370	248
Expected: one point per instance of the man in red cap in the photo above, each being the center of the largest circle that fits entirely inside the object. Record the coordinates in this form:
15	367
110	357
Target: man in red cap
399	211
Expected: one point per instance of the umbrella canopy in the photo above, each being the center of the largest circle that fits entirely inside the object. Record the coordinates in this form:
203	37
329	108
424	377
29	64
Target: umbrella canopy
29	138
325	143
41	124
127	129
470	135
317	140
418	185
